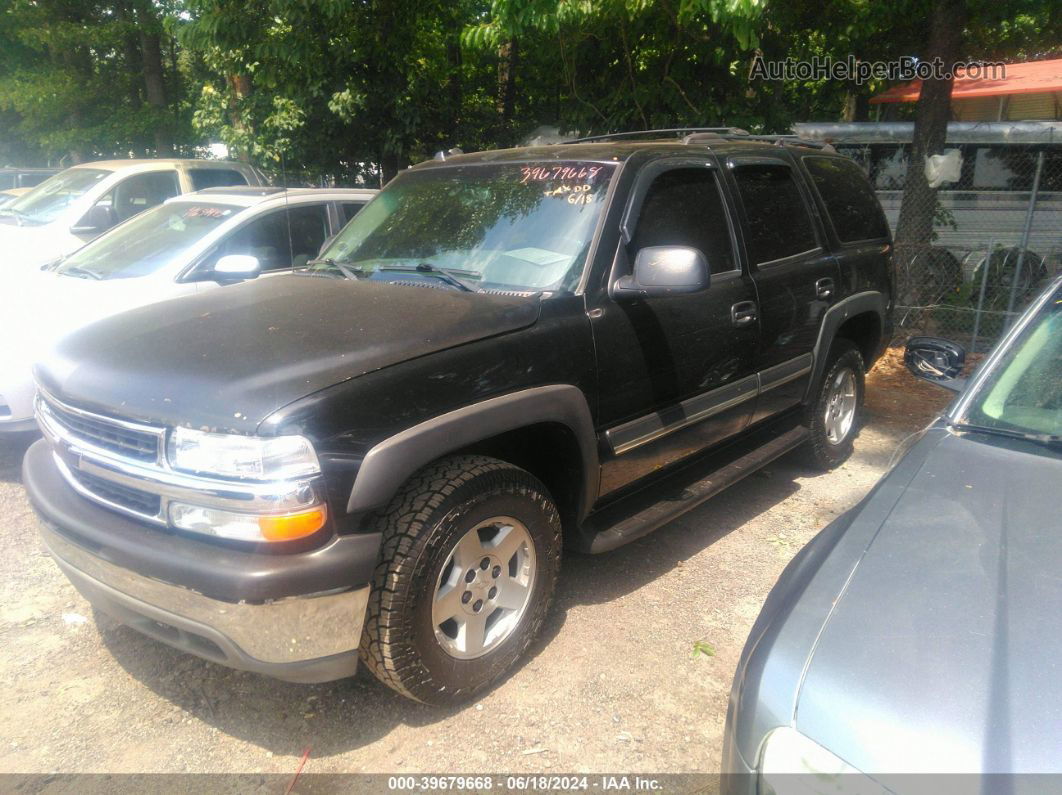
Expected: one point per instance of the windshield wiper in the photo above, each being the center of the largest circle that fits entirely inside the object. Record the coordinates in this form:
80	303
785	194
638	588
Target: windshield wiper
77	270
348	273
1039	438
448	275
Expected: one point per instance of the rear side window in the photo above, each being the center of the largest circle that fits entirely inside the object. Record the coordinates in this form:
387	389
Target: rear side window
203	178
848	197
777	221
141	191
683	207
348	210
267	237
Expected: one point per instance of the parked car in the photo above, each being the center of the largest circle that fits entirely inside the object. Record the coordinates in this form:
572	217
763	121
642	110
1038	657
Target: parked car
190	244
12	178
503	352
8	196
72	207
914	634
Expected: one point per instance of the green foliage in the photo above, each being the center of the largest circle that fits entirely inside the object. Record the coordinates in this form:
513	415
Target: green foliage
343	91
71	79
702	648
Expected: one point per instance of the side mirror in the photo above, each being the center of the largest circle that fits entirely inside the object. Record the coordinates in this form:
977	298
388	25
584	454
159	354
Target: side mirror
664	270
236	267
937	361
96	221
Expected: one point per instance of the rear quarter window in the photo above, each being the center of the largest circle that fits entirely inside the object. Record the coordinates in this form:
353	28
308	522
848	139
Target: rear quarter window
777	221
850	201
203	178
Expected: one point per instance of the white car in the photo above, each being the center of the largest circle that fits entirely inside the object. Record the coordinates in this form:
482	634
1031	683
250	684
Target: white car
187	245
69	209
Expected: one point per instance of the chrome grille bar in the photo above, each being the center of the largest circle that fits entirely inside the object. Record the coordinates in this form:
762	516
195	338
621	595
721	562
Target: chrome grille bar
130	485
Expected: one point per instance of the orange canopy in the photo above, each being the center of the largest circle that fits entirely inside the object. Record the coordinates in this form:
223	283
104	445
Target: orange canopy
1035	77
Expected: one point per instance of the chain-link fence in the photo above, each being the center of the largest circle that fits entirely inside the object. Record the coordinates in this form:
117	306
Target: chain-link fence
997	237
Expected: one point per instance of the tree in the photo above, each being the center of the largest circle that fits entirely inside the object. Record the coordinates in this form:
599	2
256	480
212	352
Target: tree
915	226
83	80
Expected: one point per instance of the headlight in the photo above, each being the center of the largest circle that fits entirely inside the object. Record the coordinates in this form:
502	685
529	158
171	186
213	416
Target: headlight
794	764
251	457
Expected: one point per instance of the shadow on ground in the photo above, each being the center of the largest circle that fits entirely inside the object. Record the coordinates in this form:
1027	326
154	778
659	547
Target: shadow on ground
13	447
331	718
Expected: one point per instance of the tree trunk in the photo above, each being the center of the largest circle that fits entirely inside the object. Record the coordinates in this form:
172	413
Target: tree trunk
388	167
155	90
239	87
505	102
455	89
856	104
914	230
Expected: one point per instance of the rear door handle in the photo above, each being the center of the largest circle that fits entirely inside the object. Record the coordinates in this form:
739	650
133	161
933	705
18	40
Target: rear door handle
824	288
743	313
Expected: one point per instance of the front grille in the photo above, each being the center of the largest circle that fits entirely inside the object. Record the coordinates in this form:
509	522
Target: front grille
132	499
113	436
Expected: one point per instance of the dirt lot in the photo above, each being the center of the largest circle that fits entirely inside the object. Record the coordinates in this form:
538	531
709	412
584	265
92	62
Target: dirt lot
612	686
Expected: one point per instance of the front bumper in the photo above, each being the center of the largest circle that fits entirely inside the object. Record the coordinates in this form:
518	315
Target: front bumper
294	616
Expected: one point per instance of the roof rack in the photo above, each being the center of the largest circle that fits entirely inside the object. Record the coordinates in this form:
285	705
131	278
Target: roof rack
666	132
701	135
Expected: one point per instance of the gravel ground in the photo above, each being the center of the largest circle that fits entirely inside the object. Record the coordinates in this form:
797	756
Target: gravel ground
613	684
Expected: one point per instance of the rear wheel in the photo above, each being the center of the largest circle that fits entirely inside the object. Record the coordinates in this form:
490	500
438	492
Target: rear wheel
833	417
470	555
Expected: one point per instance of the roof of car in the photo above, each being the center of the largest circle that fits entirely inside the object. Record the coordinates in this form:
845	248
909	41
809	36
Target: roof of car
158	161
250	195
622	149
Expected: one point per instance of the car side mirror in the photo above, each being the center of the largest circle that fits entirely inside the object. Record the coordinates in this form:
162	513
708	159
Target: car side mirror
96	221
664	270
935	360
236	268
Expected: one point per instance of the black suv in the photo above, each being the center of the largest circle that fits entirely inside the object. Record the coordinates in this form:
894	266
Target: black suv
504	353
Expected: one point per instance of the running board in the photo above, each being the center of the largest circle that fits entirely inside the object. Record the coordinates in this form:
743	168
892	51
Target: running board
659	504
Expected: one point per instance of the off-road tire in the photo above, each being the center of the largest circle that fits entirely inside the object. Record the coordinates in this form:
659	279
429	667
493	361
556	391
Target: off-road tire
423	522
819	452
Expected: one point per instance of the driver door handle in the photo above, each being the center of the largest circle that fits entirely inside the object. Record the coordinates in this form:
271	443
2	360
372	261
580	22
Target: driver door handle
743	313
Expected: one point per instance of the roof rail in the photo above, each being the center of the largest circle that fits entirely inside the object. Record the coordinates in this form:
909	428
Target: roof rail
665	132
795	140
702	135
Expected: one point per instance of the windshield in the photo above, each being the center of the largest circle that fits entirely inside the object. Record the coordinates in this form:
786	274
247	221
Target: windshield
48	200
1024	392
519	226
147	241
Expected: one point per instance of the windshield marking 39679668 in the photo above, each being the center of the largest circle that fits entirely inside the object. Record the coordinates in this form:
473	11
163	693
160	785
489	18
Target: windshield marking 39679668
519	226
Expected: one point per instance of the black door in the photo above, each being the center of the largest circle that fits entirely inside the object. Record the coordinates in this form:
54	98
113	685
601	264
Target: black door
676	374
796	277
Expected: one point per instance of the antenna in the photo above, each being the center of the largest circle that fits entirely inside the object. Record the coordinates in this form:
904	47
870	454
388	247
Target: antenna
287	212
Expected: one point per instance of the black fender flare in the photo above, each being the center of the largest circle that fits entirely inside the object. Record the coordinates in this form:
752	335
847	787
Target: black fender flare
390	463
868	301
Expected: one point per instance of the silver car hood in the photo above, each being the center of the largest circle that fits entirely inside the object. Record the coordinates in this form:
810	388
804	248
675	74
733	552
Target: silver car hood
944	651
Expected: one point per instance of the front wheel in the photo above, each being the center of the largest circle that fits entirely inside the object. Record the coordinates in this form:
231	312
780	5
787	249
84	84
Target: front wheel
470	556
833	415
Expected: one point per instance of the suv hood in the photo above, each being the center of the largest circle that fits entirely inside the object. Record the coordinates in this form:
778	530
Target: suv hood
227	359
941	654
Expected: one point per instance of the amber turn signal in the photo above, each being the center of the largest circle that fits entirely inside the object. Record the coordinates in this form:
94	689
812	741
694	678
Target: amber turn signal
292	525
